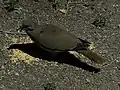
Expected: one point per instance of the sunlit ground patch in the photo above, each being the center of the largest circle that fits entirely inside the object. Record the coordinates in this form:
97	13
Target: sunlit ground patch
17	54
92	46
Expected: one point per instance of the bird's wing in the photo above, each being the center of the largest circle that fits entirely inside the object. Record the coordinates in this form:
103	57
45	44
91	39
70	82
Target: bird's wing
58	42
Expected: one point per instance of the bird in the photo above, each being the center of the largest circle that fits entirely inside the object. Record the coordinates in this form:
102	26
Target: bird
56	40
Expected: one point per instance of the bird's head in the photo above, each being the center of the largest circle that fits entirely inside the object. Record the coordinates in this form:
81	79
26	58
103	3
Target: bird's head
27	25
31	28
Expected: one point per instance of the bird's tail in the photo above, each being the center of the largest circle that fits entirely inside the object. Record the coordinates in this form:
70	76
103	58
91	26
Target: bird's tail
92	56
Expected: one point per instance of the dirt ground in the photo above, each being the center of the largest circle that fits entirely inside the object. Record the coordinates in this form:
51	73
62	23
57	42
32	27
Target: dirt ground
25	67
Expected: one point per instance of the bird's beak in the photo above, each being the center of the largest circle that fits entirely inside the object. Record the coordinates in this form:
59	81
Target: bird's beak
22	27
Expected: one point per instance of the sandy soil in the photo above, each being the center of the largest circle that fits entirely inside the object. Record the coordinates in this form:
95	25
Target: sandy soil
97	21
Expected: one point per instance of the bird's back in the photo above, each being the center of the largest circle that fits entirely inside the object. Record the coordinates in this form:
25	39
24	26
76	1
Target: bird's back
52	37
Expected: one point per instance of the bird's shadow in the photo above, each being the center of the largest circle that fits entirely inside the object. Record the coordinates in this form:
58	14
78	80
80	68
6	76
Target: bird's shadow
65	57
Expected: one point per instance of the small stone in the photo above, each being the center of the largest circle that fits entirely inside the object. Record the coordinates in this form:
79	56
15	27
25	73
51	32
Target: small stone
17	74
2	67
88	80
118	25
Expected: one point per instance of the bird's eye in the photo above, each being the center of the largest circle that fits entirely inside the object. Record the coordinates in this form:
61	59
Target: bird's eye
30	29
41	31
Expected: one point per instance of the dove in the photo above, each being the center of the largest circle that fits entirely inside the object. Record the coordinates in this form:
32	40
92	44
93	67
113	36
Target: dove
54	39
